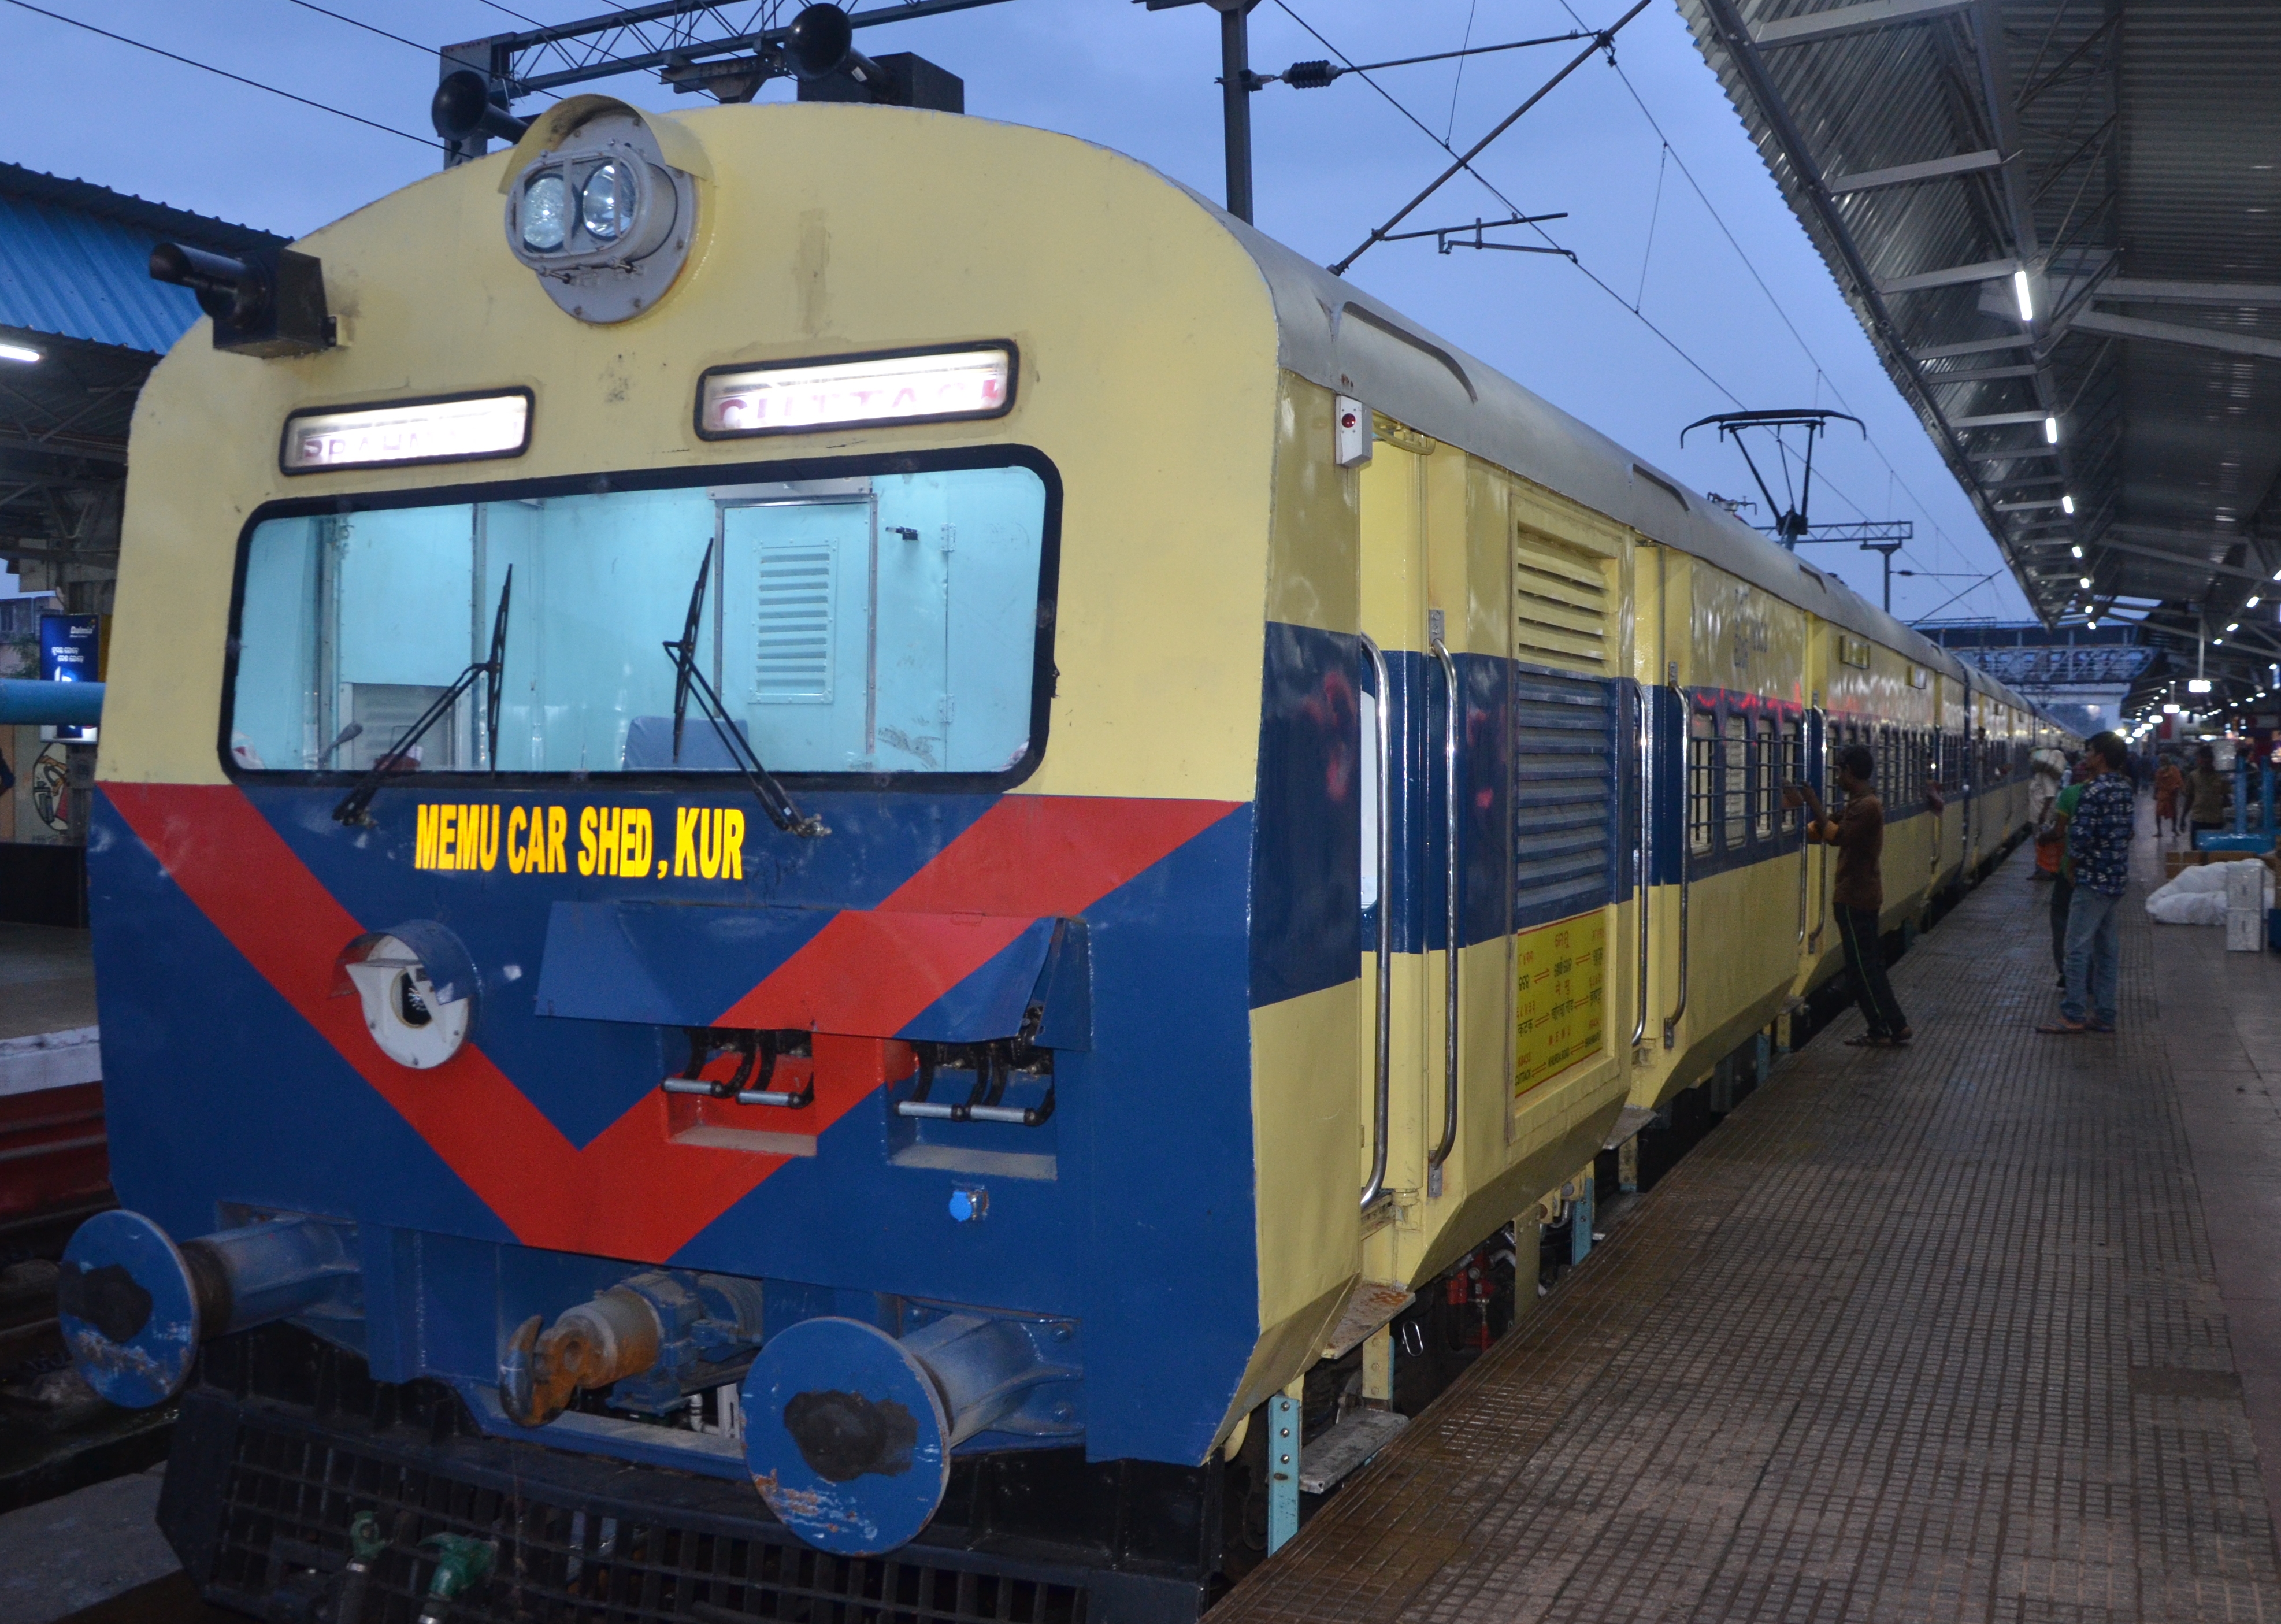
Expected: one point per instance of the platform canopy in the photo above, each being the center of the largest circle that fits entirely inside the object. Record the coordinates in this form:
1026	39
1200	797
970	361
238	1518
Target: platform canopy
2060	225
76	296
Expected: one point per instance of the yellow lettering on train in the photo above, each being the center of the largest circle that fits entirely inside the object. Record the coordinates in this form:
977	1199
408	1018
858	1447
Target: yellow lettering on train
684	840
633	842
708	842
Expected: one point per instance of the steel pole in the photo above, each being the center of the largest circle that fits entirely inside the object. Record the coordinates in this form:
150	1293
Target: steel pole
1235	101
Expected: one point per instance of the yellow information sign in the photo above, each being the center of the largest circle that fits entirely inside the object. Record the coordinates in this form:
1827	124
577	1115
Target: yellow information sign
1563	976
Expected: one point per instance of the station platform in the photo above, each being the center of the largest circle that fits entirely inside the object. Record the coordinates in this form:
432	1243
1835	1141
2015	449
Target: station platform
1989	1328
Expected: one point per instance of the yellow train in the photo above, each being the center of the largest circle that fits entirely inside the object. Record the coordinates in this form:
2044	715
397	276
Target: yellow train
784	798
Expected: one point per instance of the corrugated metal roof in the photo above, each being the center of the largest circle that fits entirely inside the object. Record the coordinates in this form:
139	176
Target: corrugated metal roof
2128	154
74	261
74	280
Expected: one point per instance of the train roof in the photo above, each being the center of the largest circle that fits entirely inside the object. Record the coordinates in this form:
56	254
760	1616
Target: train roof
1332	333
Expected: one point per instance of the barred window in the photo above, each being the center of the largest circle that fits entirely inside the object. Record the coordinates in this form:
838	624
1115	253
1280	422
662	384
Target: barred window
1769	767
1793	767
1701	749
1736	816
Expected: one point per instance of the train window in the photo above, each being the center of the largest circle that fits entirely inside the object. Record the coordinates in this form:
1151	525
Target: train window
1736	787
1793	759
880	625
1769	770
1702	747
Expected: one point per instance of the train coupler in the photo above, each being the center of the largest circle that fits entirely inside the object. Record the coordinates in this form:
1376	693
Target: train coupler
651	1339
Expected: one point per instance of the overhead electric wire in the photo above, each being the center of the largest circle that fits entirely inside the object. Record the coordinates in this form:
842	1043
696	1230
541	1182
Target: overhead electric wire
1458	82
1604	40
425	50
1468	50
1489	187
223	73
1820	371
310	5
511	11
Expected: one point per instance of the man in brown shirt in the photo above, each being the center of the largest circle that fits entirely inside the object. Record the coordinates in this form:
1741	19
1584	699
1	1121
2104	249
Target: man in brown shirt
1858	896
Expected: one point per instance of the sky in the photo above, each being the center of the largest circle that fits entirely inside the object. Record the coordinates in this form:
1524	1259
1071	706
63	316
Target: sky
1709	297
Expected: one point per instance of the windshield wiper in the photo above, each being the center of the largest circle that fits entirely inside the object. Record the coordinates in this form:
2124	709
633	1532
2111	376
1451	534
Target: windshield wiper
351	809
689	680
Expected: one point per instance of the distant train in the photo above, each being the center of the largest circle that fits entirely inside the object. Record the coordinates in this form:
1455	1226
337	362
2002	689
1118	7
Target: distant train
825	830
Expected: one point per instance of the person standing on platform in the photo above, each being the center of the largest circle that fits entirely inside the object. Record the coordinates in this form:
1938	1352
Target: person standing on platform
2211	793
2099	854
1859	895
2063	880
2170	798
2043	784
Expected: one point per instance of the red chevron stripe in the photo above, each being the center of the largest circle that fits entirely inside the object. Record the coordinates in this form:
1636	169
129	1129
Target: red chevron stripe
1027	857
631	1191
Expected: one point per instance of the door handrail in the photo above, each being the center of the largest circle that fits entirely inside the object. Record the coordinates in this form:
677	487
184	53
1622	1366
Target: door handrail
1685	872
1451	899
1644	741
1375	1187
1822	914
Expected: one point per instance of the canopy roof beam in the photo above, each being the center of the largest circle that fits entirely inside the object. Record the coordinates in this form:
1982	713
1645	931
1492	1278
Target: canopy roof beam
1907	174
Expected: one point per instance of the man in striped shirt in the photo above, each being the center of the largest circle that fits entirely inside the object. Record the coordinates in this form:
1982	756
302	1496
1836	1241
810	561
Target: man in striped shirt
2098	857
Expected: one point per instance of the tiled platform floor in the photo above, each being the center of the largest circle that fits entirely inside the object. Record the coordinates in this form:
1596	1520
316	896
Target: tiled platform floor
46	980
1928	1336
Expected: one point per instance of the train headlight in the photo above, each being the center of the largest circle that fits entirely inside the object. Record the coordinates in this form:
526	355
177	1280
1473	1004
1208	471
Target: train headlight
545	213
606	203
602	205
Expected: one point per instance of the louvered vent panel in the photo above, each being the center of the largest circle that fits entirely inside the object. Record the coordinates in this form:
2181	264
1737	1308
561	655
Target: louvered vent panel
1560	606
793	645
1564	812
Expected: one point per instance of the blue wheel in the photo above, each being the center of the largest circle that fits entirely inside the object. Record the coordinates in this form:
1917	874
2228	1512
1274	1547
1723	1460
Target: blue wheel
127	1308
846	1436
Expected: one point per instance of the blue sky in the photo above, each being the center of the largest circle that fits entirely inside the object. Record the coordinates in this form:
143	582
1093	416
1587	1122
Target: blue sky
1331	164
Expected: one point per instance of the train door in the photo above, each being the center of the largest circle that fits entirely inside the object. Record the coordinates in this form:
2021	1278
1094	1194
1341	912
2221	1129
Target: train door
1507	984
1435	610
1395	698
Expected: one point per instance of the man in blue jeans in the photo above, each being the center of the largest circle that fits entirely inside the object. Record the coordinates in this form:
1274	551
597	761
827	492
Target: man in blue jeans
2098	852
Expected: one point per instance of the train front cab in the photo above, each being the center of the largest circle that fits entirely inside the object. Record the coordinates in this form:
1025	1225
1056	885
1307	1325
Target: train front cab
1095	1243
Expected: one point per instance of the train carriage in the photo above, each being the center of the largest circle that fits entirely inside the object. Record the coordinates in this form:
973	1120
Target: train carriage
1031	813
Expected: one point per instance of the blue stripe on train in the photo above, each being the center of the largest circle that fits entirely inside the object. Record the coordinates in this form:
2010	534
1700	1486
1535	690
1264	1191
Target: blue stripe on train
1548	789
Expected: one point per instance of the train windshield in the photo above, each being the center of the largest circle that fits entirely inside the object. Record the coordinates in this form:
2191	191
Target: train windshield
881	624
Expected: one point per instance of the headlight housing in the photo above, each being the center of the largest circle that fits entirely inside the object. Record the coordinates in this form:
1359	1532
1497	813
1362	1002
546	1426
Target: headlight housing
602	219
